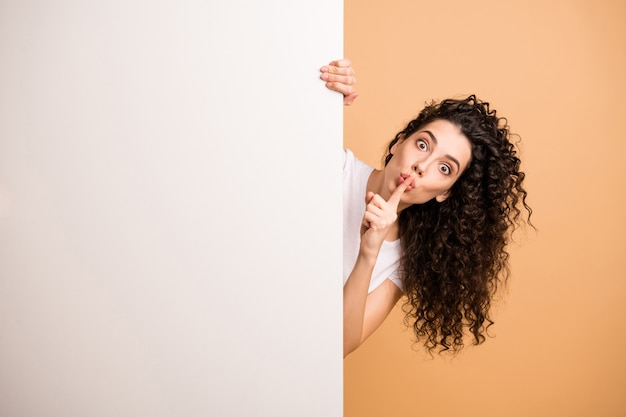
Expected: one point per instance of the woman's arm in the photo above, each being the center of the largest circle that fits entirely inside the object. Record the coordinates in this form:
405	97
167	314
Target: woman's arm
363	313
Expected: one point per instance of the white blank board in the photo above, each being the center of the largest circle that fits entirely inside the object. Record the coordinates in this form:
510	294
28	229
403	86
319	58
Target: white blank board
170	227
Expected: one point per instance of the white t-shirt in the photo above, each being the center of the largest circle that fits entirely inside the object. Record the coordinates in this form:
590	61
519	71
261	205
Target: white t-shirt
355	176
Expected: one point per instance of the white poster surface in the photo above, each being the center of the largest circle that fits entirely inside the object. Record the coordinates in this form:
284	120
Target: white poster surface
170	201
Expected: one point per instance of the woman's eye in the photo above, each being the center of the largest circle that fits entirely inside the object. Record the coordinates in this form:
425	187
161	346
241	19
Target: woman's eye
445	169
422	145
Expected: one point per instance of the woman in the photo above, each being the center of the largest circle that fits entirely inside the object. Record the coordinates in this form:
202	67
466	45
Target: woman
433	224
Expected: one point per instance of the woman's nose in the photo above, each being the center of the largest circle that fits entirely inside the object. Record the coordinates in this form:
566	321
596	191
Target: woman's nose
417	168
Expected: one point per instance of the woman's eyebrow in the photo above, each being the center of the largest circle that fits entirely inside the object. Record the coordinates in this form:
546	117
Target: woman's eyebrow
450	157
453	159
431	135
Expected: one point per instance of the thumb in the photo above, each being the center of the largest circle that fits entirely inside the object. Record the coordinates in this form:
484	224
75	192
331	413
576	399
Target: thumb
349	99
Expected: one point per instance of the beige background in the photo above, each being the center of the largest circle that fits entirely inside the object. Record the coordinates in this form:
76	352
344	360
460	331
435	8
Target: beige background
556	70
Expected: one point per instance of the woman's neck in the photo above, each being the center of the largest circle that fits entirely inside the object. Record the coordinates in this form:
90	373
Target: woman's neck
376	184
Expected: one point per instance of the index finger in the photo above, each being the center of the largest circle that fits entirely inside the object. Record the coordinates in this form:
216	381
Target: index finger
397	193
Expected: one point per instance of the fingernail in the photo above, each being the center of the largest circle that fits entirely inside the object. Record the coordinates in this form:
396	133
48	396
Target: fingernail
324	76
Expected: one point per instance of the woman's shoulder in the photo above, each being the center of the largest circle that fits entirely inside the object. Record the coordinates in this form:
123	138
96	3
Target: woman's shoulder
348	159
352	163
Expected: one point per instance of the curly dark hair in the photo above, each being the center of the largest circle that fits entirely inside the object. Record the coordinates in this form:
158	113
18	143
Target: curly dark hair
454	256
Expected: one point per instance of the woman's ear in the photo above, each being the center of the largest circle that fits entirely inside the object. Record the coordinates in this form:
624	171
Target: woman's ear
394	147
442	197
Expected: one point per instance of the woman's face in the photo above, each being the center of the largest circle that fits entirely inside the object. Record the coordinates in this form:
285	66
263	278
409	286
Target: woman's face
432	158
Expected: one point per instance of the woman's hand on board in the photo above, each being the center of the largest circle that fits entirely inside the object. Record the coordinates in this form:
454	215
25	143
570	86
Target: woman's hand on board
339	76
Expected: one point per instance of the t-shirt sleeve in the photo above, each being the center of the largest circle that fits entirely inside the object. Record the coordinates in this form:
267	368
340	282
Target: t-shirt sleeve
396	280
348	161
